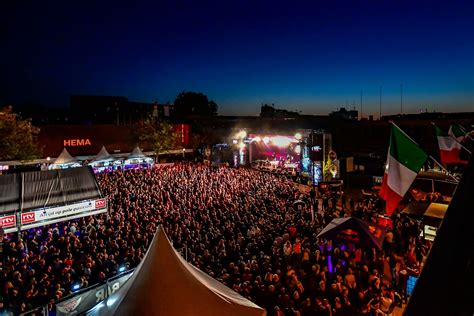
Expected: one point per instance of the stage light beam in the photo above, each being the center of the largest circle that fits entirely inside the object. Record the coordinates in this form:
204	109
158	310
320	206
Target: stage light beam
242	134
281	141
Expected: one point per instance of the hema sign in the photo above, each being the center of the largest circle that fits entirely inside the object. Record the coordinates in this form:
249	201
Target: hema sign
76	142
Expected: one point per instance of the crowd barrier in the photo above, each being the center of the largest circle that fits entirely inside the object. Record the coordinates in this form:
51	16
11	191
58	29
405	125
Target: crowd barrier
80	301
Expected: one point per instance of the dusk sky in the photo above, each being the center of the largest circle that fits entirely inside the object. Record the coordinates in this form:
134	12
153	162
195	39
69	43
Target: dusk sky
310	56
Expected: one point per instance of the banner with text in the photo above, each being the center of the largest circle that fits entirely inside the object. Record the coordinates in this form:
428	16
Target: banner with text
45	216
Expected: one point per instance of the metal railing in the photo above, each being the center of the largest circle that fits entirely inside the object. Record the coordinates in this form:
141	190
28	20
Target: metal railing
44	310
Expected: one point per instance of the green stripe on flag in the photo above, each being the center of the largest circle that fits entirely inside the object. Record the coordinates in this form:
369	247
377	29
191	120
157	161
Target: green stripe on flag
440	132
405	151
457	131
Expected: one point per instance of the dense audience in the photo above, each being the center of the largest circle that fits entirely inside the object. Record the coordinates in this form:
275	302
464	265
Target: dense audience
251	230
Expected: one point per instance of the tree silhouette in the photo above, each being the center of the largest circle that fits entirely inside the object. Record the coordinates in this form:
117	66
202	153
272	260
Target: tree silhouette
160	135
17	137
194	103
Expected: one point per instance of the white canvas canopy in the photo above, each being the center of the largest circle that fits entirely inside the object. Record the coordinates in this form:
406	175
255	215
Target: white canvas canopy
165	284
65	160
104	159
103	155
138	157
136	153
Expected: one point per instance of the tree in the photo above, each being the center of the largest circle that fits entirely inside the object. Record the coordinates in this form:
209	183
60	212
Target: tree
160	135
18	137
194	103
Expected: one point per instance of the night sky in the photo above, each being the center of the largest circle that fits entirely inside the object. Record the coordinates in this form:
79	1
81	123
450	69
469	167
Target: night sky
310	56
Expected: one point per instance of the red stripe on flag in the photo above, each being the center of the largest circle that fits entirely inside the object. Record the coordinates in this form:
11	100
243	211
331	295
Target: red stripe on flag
451	156
391	198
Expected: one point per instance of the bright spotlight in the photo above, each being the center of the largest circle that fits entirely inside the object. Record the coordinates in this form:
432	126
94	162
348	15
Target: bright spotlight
298	136
242	134
257	139
235	141
281	141
266	139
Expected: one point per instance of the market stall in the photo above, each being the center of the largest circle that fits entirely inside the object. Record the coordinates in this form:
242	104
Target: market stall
104	161
64	161
137	159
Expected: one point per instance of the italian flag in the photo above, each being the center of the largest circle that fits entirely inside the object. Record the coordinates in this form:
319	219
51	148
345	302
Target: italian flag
449	148
456	132
404	160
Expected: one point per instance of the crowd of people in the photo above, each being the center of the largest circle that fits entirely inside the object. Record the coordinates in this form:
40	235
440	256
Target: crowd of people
253	231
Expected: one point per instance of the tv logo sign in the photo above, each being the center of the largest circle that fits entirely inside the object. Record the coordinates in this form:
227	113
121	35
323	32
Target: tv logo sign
100	203
8	221
28	218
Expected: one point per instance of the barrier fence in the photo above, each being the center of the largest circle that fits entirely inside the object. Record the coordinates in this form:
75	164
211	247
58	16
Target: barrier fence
80	301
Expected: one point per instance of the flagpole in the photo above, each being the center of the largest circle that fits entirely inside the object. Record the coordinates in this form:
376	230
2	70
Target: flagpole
464	131
454	138
432	158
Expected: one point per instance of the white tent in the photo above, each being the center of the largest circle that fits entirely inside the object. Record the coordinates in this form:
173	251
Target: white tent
103	155
137	157
165	284
65	160
104	160
136	153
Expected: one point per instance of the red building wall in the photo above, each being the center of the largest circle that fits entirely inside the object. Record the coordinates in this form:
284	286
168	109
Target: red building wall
82	140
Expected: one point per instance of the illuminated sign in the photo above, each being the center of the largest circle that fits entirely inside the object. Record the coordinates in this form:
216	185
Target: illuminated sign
100	203
27	218
349	235
76	142
8	221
